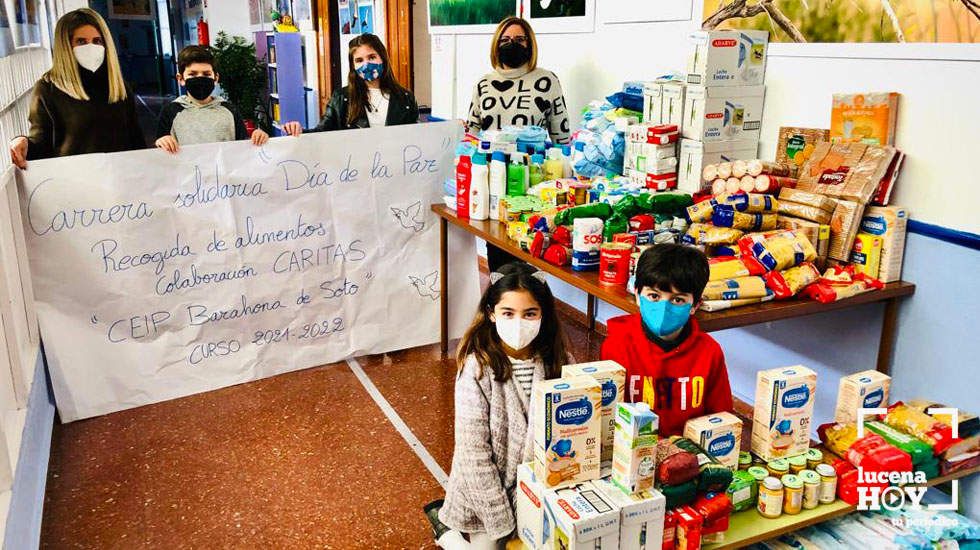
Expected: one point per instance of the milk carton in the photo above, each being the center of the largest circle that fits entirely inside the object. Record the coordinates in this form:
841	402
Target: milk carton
635	447
721	114
783	409
728	58
889	223
695	155
567	427
641	515
582	518
718	434
529	508
612	377
864	390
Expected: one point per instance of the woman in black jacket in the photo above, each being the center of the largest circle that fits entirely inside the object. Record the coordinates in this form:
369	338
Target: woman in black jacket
82	104
372	97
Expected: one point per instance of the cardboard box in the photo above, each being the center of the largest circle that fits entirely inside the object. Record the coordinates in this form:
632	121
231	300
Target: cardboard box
529	508
864	118
641	515
866	254
634	460
695	155
889	223
612	377
728	58
863	390
567	428
582	518
723	114
783	410
663	102
720	435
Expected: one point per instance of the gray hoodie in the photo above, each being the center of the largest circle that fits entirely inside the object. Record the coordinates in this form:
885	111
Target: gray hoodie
191	122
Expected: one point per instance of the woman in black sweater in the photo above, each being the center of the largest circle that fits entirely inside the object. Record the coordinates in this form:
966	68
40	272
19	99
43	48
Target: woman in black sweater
82	104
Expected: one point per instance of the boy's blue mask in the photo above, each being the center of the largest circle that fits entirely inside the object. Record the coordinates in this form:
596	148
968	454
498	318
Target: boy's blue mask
663	317
371	71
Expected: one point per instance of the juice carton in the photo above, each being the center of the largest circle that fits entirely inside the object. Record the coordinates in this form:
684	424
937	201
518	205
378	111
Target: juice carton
567	427
582	518
718	434
641	515
863	390
612	377
783	408
529	508
635	447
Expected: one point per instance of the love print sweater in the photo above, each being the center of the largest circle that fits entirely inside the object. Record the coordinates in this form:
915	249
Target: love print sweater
518	97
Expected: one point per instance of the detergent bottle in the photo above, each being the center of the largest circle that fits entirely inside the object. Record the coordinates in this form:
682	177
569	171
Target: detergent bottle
498	182
479	188
463	181
516	175
554	168
536	170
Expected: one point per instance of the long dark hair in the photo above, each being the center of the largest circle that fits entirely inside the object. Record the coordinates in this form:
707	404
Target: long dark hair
481	339
357	89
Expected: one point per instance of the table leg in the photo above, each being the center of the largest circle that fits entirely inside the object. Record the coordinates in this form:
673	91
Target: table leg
591	312
886	345
443	285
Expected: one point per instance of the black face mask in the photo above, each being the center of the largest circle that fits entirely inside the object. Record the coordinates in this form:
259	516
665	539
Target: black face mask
513	55
199	87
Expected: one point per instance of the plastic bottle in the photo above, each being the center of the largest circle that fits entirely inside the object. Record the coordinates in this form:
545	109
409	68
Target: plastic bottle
498	182
566	153
516	175
479	188
536	170
463	180
554	168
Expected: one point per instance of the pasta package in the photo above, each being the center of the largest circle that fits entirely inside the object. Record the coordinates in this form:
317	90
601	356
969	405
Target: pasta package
838	438
844	228
810	199
714	476
786	284
826	293
719	305
731	267
703	234
780	250
921	425
812	213
850	171
701	212
817	234
749	202
795	145
726	216
735	289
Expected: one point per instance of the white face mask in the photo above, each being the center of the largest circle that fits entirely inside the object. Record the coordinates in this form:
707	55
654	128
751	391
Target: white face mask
90	56
518	333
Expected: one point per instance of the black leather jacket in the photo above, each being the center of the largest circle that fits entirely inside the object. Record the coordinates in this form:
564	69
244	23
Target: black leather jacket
402	109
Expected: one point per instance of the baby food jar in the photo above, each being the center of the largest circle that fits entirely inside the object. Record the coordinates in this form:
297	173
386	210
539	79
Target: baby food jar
797	464
813	458
811	489
770	503
744	460
828	483
792	494
778	467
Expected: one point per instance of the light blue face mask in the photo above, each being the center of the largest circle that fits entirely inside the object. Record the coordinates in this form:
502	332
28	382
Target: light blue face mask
371	71
663	317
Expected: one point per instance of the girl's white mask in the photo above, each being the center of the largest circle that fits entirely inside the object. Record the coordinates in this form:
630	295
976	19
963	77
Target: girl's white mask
518	333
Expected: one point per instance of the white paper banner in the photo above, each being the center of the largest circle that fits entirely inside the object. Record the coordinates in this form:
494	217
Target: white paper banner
160	276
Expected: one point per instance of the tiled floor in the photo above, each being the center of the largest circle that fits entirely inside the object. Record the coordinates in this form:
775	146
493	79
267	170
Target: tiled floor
302	460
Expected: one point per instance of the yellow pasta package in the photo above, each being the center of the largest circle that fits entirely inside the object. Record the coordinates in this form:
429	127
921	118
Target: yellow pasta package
779	250
786	284
704	234
740	288
730	267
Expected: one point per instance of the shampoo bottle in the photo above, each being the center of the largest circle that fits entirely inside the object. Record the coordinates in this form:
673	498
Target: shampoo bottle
463	167
498	182
479	188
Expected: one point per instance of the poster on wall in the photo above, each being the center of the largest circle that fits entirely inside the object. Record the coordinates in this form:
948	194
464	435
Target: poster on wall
141	10
365	17
469	16
6	33
855	21
644	11
28	23
255	12
228	262
558	16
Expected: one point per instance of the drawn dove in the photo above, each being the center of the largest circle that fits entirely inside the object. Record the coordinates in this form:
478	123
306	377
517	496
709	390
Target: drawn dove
409	218
426	286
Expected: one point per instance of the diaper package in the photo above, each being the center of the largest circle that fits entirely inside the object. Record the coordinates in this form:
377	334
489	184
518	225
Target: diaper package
611	376
864	390
582	518
641	515
720	434
728	58
567	427
783	409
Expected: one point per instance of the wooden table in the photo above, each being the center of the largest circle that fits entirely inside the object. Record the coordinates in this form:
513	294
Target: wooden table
495	233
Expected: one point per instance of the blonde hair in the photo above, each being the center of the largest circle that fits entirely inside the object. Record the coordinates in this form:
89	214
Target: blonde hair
64	72
532	42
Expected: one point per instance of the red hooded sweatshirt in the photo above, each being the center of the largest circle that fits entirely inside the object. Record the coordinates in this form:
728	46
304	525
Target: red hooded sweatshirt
688	381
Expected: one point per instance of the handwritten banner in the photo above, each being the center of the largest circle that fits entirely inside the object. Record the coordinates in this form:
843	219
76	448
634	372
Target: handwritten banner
159	276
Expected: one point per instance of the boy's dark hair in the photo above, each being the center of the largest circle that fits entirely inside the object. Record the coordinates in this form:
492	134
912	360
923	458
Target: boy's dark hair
664	266
194	54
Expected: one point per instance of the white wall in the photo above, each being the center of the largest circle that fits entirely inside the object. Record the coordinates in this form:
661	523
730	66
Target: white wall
936	127
230	16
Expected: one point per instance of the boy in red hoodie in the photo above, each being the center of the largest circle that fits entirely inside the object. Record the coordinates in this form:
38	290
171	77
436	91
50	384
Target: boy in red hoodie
670	363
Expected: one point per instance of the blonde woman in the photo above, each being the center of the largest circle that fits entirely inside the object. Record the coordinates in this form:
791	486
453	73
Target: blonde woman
82	104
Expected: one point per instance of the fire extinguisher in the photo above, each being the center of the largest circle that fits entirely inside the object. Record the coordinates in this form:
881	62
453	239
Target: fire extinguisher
203	36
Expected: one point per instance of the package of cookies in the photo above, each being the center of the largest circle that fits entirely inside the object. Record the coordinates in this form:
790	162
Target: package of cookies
797	144
844	227
864	118
850	171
